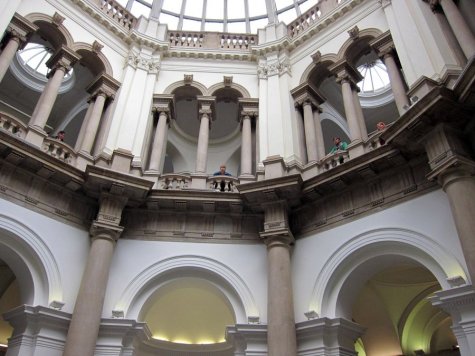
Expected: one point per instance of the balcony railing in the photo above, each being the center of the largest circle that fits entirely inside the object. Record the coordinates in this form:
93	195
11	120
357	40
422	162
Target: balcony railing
117	13
12	126
334	160
174	181
312	16
211	40
59	150
222	183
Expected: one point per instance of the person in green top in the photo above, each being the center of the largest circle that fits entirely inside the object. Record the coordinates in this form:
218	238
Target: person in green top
339	145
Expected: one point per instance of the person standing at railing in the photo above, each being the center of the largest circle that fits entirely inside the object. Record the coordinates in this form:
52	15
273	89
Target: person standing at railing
339	145
222	184
60	135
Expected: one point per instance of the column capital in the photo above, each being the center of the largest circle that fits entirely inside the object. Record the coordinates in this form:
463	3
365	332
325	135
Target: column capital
64	57
307	93
101	230
383	44
345	72
206	106
21	29
164	103
105	85
248	107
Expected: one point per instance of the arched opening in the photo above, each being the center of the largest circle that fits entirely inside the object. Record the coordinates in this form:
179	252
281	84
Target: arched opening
189	311
399	319
10	297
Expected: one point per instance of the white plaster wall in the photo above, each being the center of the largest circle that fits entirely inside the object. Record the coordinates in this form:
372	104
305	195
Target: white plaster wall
207	72
429	215
132	257
68	244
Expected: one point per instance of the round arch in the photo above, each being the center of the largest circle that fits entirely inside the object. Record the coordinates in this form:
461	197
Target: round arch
31	261
57	33
138	291
350	267
323	62
238	87
96	60
352	48
172	87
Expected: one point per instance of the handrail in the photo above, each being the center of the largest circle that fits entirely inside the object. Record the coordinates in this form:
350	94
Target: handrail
222	183
117	13
335	159
173	181
59	150
12	125
212	40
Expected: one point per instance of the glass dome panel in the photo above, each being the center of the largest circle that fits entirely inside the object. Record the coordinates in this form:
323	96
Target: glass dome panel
217	12
34	56
375	77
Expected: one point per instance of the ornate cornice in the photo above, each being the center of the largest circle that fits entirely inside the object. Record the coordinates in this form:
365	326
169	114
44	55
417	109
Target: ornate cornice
105	85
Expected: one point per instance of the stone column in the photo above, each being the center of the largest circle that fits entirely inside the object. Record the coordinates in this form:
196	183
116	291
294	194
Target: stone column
102	88
162	106
60	63
249	110
86	318
308	97
452	165
281	335
350	110
246	145
348	76
462	32
205	117
309	126
18	32
384	47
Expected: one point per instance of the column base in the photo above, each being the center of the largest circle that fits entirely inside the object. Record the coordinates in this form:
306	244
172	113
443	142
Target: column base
83	160
198	181
121	160
274	167
35	136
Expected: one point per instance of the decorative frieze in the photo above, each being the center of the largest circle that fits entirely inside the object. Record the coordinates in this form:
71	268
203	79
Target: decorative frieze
139	61
278	67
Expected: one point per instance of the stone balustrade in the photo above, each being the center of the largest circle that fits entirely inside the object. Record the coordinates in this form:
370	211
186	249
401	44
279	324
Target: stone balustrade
222	183
173	181
211	40
117	13
12	125
59	150
334	160
304	21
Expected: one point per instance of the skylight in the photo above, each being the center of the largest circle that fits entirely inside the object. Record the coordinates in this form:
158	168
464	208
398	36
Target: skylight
238	16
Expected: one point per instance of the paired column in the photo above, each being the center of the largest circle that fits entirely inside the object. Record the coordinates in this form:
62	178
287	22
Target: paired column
60	63
103	88
18	32
309	98
249	111
281	334
205	117
86	318
348	76
163	107
384	47
459	26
